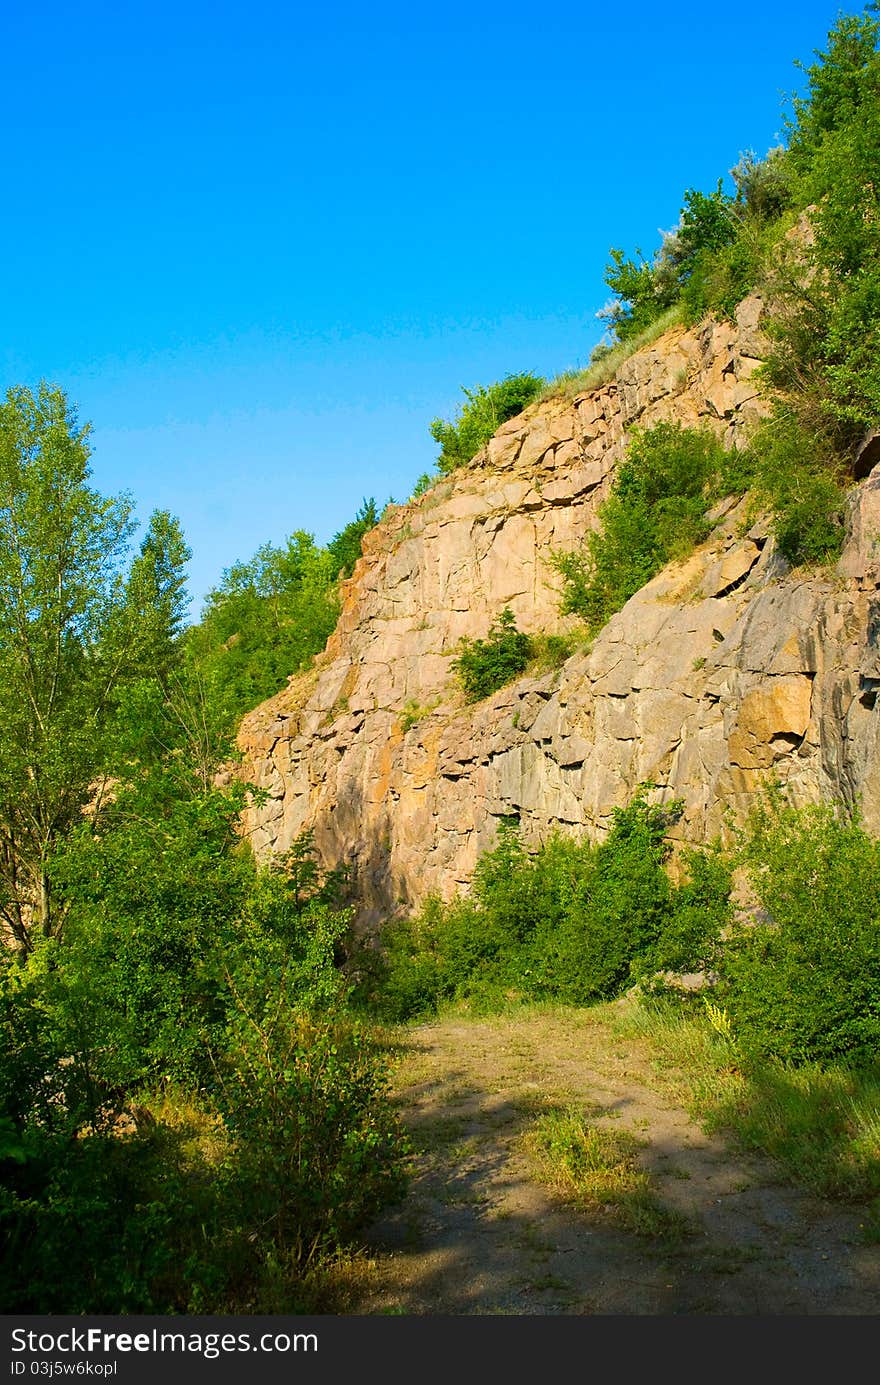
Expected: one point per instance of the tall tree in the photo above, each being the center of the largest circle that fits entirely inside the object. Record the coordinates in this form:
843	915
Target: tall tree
73	627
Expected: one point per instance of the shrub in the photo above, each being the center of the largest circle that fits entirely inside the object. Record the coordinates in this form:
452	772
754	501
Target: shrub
794	475
185	969
613	913
656	511
803	981
483	666
643	290
572	921
485	409
764	187
318	1149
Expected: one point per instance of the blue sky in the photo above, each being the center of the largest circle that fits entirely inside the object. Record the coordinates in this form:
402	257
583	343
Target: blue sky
261	246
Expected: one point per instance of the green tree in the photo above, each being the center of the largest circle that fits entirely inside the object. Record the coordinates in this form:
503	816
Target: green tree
826	337
641	293
266	620
837	86
345	547
73	628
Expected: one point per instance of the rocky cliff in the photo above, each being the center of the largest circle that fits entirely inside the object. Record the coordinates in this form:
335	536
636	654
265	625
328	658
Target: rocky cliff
724	669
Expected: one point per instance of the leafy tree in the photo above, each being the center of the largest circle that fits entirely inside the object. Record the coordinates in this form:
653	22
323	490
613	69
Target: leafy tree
706	225
642	292
345	547
838	85
265	621
72	630
763	186
826	327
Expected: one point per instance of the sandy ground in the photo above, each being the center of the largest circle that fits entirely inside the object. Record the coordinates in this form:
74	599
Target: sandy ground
478	1235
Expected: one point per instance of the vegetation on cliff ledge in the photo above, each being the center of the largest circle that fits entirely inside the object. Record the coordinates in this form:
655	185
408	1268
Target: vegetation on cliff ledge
193	1114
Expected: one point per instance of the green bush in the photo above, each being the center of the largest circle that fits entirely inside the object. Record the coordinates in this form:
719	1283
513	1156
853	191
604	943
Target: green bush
803	981
793	474
184	968
483	666
572	921
318	1148
643	290
656	511
268	618
485	409
345	547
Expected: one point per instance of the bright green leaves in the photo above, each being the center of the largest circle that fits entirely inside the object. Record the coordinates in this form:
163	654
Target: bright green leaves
485	665
265	621
656	511
485	409
73	628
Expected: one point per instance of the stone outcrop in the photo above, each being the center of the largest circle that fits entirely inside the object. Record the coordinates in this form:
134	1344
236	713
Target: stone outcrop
725	669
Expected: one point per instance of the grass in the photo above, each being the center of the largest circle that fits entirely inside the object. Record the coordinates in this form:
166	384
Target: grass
822	1123
574	382
549	652
598	1170
413	712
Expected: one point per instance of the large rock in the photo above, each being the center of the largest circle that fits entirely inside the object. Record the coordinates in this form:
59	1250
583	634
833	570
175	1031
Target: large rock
723	671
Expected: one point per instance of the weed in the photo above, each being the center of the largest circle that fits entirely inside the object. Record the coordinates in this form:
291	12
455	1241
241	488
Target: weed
598	1169
572	383
414	711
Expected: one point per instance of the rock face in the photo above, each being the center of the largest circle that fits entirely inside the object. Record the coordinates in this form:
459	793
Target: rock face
724	670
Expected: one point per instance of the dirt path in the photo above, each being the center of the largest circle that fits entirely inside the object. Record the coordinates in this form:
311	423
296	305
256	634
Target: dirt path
477	1233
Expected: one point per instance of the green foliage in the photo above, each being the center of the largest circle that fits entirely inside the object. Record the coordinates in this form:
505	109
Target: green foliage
804	982
656	511
833	325
825	298
73	630
184	969
484	410
706	225
483	666
721	278
838	86
345	547
268	618
764	187
643	290
793	474
306	1104
573	921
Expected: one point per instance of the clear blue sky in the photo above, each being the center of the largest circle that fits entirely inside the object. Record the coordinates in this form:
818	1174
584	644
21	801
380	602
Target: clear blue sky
262	245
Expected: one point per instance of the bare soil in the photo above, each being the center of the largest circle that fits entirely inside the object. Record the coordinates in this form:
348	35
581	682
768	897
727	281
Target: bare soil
478	1234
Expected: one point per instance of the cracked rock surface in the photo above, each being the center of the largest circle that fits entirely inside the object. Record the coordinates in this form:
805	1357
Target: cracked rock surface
727	668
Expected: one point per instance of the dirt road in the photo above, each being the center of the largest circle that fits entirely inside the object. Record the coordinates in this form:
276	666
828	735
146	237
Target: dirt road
479	1234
